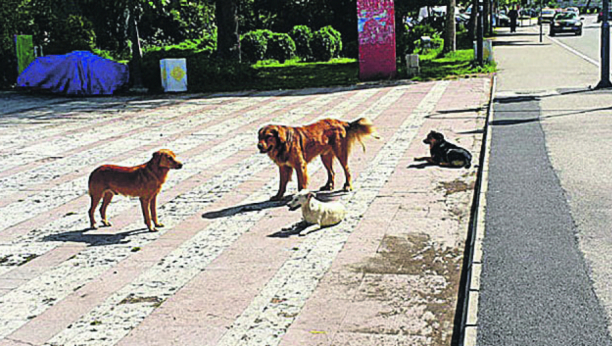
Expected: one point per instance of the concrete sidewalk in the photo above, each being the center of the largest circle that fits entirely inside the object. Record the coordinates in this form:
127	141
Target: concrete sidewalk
231	268
544	262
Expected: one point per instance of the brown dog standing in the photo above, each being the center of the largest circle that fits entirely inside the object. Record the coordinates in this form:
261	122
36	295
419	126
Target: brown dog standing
294	147
144	181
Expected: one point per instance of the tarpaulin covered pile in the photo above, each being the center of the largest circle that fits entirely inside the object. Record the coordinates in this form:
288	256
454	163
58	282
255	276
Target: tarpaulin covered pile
76	73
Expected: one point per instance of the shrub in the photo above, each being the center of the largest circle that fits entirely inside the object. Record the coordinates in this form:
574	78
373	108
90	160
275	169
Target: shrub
211	74
151	76
280	47
253	45
302	35
337	39
322	45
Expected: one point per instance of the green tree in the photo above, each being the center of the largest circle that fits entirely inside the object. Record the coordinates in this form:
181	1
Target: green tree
228	39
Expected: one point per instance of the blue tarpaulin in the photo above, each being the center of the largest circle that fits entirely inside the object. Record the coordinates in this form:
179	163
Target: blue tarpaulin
76	73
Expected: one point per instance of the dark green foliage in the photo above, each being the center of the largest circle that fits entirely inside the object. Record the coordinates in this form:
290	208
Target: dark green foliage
325	44
204	72
280	47
337	39
75	33
253	45
11	23
188	49
302	35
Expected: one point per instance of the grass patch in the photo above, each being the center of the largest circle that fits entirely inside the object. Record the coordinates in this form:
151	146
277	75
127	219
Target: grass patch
296	75
455	64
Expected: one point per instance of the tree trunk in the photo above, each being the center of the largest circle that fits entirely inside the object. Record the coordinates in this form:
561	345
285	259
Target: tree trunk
487	17
136	62
450	34
228	38
472	22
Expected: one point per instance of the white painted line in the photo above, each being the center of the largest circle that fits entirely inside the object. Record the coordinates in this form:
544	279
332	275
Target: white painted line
572	50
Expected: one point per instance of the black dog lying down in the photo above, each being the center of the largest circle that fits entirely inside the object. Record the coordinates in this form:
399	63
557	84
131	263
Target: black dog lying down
444	153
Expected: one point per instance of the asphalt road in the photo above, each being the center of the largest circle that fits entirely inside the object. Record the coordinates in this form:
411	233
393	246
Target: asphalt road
545	273
588	43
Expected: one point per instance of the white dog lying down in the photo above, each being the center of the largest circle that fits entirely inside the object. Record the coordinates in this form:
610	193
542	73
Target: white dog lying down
315	211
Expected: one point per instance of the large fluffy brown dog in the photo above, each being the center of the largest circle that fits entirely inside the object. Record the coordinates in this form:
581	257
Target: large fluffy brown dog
294	147
144	181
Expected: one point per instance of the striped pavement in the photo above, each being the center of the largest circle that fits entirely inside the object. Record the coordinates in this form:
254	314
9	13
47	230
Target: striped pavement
230	267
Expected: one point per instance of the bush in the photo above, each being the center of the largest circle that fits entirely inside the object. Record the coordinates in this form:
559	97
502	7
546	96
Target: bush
253	45
323	45
302	35
280	47
210	74
204	72
151	76
337	39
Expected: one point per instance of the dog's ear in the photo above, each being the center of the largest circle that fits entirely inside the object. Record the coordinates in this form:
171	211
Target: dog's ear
280	134
437	136
157	155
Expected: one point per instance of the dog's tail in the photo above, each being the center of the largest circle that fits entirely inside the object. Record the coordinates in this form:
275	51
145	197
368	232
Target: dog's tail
359	129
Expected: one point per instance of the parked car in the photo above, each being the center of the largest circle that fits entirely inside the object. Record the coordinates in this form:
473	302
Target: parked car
600	16
573	9
501	20
547	15
566	22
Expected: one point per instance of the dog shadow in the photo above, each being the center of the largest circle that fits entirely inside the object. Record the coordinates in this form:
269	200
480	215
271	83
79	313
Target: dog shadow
296	230
97	239
427	164
231	211
329	196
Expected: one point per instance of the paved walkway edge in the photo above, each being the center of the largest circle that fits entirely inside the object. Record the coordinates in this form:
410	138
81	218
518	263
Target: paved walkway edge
470	278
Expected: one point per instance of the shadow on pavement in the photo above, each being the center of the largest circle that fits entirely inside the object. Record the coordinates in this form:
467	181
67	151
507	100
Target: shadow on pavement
93	239
295	229
507	33
231	211
518	43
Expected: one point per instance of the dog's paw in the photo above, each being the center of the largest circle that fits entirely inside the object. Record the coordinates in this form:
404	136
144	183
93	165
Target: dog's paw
276	198
153	229
419	159
347	188
159	224
106	223
326	187
93	227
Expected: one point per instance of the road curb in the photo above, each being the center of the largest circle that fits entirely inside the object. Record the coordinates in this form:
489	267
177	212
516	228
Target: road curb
470	288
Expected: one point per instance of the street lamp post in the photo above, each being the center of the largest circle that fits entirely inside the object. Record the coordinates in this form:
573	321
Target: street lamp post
479	35
604	82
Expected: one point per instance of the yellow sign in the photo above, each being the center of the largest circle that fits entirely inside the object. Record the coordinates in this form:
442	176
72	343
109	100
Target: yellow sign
177	73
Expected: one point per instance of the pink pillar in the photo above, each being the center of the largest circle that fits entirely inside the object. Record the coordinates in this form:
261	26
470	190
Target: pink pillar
376	28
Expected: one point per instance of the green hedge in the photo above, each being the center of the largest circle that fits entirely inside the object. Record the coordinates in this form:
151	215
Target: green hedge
280	47
326	44
337	39
254	44
302	35
204	71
